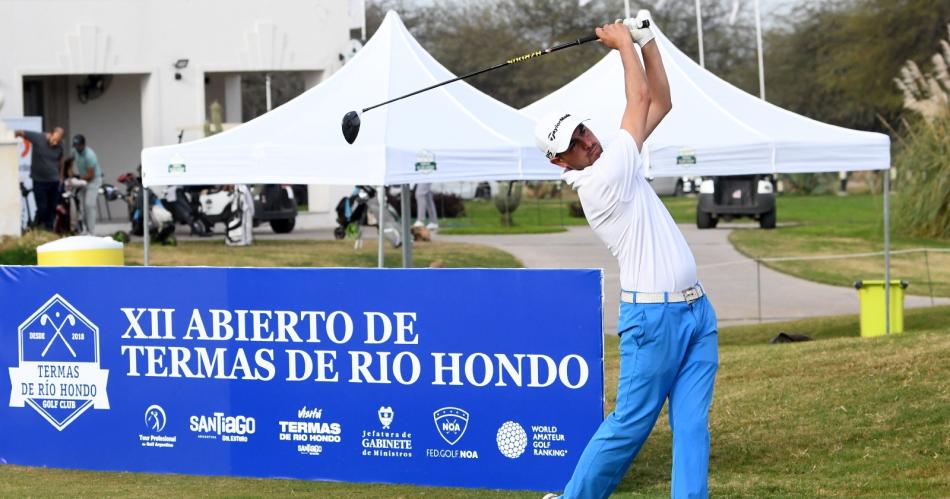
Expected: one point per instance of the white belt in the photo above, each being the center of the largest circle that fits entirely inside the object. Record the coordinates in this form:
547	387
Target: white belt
688	295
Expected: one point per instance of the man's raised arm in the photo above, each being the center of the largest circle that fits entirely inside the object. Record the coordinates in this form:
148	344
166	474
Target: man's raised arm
660	101
634	118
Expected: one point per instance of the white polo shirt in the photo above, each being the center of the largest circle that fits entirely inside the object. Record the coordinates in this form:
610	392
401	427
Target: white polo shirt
628	216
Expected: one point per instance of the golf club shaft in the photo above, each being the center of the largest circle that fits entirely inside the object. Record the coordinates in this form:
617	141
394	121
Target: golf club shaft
579	41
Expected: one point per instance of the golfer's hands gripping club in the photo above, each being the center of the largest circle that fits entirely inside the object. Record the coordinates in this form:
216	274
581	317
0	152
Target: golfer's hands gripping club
614	36
639	28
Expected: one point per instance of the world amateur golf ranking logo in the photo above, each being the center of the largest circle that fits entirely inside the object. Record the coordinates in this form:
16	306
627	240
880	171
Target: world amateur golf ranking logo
58	374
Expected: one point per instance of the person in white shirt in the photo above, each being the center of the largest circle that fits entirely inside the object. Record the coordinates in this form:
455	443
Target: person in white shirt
667	327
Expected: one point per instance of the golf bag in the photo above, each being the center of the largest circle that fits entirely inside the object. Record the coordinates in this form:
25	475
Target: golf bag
214	205
240	225
361	209
62	217
161	224
68	218
182	203
28	207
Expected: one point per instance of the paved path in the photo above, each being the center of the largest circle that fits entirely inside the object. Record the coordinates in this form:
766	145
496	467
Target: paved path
728	276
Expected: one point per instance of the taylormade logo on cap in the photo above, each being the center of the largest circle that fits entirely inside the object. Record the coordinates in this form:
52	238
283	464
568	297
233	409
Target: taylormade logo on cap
546	132
556	125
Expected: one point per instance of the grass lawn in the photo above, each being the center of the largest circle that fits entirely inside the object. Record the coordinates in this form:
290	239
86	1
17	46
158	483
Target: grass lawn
283	253
533	216
541	216
825	225
303	253
841	416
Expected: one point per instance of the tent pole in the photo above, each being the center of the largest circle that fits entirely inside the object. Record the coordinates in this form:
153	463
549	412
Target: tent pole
758	36
699	33
407	238
267	91
145	222
380	224
363	24
887	253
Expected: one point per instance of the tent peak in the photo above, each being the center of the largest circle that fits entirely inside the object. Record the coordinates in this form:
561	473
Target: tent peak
392	15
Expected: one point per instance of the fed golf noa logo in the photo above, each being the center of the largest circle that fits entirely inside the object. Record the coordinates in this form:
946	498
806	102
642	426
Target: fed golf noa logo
512	440
58	374
451	423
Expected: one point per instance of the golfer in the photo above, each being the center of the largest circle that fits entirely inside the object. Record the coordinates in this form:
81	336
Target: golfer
667	328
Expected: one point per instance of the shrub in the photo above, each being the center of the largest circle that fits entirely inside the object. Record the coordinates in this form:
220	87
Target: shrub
22	250
923	166
575	209
447	205
507	201
810	183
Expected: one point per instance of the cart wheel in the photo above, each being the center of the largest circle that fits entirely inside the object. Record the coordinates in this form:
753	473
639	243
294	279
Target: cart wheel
705	220
283	226
767	220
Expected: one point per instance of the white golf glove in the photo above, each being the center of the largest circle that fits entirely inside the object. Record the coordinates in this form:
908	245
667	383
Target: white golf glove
641	35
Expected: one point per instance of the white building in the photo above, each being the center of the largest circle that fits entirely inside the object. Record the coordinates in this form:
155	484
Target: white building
161	62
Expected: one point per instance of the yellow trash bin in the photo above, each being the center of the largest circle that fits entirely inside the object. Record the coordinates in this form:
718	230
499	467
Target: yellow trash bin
871	294
80	251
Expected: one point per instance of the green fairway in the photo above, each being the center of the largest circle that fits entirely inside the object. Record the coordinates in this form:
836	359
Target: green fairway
841	416
833	225
830	225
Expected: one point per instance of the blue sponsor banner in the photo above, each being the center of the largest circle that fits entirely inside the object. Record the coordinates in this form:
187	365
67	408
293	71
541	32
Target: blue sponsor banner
471	378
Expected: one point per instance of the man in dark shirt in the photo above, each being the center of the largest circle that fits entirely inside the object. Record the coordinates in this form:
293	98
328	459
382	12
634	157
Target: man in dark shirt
46	171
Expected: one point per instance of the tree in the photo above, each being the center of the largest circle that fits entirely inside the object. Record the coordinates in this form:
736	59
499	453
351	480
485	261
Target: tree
834	60
466	35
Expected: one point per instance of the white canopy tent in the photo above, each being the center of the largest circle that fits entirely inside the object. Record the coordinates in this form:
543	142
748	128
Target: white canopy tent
471	135
717	129
723	129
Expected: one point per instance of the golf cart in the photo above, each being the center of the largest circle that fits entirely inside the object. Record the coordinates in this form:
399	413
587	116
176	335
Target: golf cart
275	204
673	186
736	196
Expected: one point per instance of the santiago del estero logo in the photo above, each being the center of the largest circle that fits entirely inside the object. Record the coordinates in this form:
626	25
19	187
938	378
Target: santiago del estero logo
58	373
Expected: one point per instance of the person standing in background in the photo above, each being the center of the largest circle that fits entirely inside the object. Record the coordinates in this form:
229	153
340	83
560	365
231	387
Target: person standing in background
46	172
425	206
87	167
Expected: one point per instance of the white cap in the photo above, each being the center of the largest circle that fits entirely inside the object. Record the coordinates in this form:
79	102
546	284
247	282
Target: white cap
553	132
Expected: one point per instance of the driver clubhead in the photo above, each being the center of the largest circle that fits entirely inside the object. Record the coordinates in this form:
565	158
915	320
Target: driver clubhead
351	126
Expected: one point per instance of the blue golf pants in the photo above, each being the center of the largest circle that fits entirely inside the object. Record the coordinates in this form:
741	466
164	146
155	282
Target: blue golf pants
667	350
